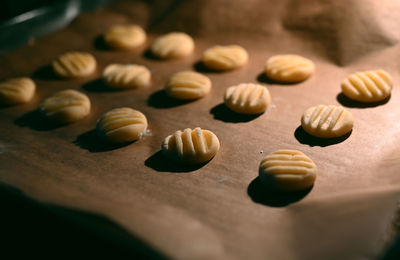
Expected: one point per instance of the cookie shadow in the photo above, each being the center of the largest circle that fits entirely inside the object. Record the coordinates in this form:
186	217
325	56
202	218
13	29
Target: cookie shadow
222	113
91	142
100	44
45	72
148	54
305	138
36	121
263	78
160	99
260	194
199	66
97	85
160	163
347	102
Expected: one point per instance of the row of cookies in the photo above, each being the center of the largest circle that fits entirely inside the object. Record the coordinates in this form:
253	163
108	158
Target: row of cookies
125	124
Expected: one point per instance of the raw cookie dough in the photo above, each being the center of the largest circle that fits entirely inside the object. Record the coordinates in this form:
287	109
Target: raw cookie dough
191	146
172	45
16	91
247	98
327	121
66	106
121	125
287	170
223	58
188	85
368	86
126	76
125	37
74	64
289	68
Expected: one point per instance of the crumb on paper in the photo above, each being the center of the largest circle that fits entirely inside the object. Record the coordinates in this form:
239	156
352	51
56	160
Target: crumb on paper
261	151
221	180
273	106
147	132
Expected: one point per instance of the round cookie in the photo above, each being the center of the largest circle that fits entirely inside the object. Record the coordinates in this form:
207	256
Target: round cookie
188	85
74	64
65	106
16	91
287	170
368	86
121	125
121	76
289	68
125	37
172	45
222	58
247	98
327	121
191	146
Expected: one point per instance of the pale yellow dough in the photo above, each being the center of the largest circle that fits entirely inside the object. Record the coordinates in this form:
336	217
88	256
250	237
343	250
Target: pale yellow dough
191	146
247	98
66	106
188	85
327	121
224	58
74	65
287	170
289	68
16	91
121	125
368	86
125	37
172	45
126	76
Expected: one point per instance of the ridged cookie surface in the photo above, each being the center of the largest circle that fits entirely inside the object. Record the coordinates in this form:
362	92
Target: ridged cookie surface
191	146
287	170
16	91
223	58
368	86
289	68
188	85
74	64
126	76
121	125
66	106
327	121
247	98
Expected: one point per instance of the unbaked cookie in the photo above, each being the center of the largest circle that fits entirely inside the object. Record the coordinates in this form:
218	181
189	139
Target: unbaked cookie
368	86
66	106
126	76
287	170
172	45
16	91
289	68
74	65
125	37
247	98
327	121
188	85
121	125
191	146
223	58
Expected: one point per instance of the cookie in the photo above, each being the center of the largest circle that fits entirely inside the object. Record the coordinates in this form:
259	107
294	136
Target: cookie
289	68
16	91
287	170
121	125
188	85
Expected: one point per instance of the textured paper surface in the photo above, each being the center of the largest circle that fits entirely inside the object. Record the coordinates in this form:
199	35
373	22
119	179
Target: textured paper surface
220	211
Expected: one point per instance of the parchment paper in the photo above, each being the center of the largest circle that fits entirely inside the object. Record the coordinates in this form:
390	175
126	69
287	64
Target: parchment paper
220	210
